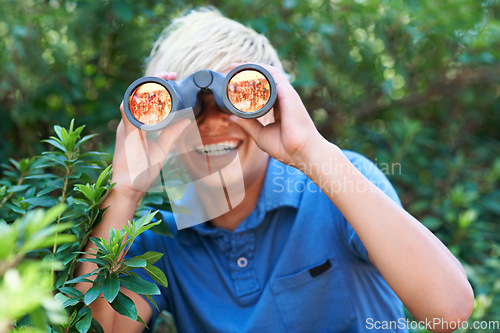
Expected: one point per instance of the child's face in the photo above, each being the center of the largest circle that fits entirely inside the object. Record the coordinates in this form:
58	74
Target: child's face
222	139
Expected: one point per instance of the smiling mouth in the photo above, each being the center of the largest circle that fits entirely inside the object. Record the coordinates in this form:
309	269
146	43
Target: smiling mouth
218	149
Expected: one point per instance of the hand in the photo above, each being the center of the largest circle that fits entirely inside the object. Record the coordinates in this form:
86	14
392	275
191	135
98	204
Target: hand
137	160
292	137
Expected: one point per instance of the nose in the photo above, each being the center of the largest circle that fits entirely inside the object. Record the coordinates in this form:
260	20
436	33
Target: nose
211	118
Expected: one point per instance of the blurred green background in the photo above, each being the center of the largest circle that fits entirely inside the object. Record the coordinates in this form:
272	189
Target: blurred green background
413	85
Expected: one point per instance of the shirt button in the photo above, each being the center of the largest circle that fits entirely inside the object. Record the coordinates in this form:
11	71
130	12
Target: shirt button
242	262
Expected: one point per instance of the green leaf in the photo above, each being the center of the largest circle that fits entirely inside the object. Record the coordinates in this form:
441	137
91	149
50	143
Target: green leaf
147	227
139	319
83	325
45	176
129	231
71	302
138	285
15	163
99	243
110	287
142	221
125	306
92	294
18	210
8	239
152	301
83	278
93	154
84	139
97	328
58	160
41	201
72	318
156	274
110	257
71	291
69	258
87	191
52	230
43	243
17	188
103	177
162	229
151	257
98	261
58	129
55	185
56	143
51	215
100	277
61	298
135	262
38	319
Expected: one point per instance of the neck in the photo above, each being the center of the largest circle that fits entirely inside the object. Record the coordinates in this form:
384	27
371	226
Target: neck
232	219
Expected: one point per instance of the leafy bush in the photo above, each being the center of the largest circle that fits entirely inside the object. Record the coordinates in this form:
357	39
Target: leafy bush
41	247
414	85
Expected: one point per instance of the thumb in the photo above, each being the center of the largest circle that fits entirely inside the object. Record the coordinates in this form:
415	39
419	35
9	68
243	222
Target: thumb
252	126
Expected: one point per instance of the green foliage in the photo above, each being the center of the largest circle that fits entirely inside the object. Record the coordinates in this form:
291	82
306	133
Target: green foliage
414	85
111	273
26	282
48	209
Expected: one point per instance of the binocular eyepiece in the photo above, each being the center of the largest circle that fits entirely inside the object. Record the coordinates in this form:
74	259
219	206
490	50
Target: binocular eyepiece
248	91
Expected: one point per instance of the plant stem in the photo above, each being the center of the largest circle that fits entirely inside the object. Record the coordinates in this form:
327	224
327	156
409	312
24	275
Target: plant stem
63	199
10	264
81	246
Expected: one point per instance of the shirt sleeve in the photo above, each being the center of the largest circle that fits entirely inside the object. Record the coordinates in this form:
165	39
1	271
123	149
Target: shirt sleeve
371	171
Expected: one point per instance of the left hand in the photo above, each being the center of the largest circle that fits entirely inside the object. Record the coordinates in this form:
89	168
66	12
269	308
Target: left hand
292	137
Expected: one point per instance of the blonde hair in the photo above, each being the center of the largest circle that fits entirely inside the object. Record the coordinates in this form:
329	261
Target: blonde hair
205	39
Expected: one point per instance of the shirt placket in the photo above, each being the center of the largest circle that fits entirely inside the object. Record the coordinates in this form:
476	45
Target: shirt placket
241	263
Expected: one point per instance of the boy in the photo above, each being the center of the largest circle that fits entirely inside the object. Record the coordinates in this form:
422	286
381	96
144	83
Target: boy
328	248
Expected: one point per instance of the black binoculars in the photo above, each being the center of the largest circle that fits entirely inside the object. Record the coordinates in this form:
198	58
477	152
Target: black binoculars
248	91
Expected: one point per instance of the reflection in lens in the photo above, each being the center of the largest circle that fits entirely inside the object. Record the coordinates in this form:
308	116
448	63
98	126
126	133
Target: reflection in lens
150	103
248	91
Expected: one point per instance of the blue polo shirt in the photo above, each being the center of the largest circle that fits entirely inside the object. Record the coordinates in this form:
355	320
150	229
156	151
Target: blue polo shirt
293	265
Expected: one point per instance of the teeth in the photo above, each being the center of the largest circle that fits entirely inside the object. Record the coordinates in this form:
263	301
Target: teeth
220	148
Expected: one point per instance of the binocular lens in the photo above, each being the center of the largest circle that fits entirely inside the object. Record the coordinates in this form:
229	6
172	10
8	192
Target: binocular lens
150	103
249	91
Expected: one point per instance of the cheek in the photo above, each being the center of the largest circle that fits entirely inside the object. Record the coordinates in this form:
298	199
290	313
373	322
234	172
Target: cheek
185	143
253	160
251	147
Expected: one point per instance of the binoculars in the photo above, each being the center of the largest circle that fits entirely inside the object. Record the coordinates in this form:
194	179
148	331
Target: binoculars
248	91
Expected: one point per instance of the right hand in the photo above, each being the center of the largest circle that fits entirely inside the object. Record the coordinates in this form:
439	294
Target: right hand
137	161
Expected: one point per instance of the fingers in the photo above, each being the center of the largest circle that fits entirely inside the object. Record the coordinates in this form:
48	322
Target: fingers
252	126
288	107
283	86
169	76
168	136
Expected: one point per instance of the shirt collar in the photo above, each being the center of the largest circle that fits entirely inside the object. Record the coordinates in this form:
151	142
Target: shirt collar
283	186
